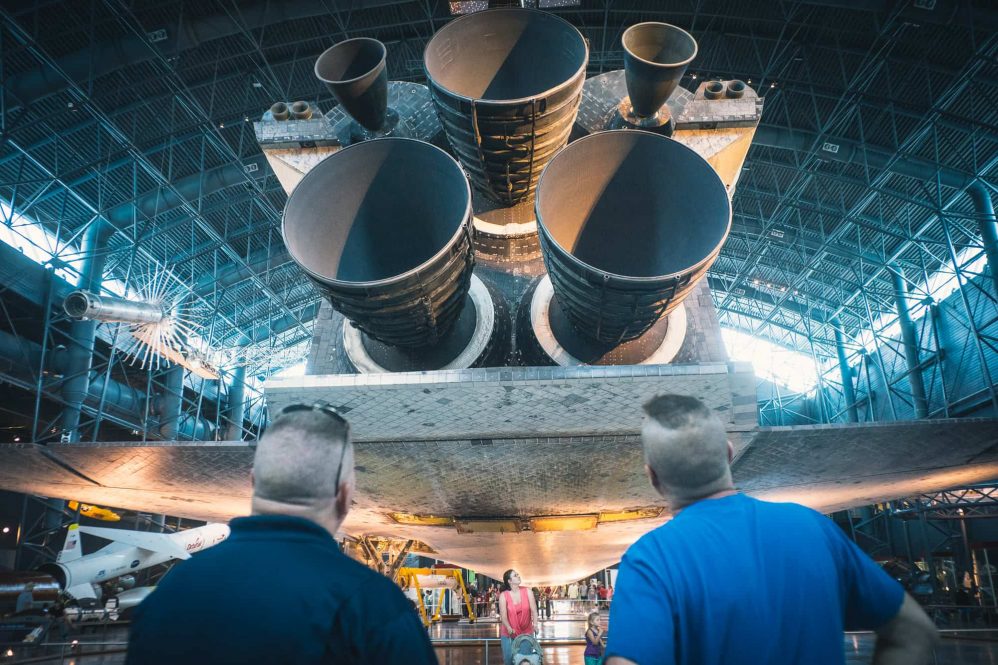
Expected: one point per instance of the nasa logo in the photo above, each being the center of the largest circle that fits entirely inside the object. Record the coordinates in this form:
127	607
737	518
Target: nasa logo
101	573
134	564
197	544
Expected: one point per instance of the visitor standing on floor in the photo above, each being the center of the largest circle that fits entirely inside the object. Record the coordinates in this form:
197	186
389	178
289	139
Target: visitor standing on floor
593	654
731	580
279	589
517	613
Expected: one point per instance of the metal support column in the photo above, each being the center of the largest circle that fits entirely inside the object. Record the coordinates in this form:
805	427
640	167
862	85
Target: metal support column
847	390
80	351
236	405
986	221
910	340
157	523
171	403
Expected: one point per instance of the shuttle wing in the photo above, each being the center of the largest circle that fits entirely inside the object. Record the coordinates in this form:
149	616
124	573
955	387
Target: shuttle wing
826	467
153	542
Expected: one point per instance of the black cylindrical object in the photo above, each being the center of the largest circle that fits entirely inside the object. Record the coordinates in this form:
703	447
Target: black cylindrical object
628	222
383	227
354	71
655	59
507	84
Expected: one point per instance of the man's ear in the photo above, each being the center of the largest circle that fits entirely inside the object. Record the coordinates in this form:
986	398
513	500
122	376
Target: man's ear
344	498
731	451
653	478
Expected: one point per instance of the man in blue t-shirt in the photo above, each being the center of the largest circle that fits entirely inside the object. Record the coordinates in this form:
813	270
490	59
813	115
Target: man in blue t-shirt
731	580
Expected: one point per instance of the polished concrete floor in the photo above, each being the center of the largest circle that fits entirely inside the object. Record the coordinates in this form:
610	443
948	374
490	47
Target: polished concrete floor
562	643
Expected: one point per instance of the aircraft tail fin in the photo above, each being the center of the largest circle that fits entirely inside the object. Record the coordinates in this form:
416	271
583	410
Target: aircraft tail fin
73	549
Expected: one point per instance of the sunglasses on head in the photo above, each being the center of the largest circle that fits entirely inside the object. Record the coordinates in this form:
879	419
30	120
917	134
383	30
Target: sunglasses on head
328	410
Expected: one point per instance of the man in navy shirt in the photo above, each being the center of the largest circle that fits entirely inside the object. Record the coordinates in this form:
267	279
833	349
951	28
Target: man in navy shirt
279	590
731	580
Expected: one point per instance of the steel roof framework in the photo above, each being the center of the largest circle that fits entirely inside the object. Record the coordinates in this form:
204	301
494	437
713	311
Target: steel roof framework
813	237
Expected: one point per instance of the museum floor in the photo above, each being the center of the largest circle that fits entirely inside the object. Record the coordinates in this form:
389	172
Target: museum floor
465	644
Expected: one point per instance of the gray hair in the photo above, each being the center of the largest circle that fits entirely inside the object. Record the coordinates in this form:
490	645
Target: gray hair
685	444
297	457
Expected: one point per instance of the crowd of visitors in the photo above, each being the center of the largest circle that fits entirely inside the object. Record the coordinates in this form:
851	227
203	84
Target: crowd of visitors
720	583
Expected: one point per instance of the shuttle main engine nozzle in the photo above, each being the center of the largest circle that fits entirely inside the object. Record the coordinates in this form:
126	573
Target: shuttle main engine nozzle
628	221
87	305
655	59
383	228
354	71
507	84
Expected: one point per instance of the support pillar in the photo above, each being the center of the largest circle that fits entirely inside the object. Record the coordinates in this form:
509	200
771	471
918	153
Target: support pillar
236	405
847	390
985	212
910	342
157	523
80	350
171	403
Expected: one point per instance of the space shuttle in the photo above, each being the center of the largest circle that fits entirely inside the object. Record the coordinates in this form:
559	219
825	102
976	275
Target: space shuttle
512	258
129	552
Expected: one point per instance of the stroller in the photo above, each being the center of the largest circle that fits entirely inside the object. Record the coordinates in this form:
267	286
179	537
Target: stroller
527	648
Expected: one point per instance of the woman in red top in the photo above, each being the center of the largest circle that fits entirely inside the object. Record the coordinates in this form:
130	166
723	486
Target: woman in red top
517	613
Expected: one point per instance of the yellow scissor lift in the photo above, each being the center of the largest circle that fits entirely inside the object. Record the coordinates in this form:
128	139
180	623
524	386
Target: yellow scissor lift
408	578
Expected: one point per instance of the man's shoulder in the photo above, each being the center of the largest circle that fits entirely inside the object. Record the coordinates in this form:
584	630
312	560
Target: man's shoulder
788	511
658	539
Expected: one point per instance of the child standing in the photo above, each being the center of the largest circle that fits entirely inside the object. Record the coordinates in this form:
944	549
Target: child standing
594	640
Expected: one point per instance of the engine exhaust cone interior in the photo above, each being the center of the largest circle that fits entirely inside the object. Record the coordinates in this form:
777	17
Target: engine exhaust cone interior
383	228
507	83
504	55
629	220
655	58
354	71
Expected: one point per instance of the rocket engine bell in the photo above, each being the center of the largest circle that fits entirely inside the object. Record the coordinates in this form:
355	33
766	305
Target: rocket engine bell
507	85
354	71
383	228
655	59
629	221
